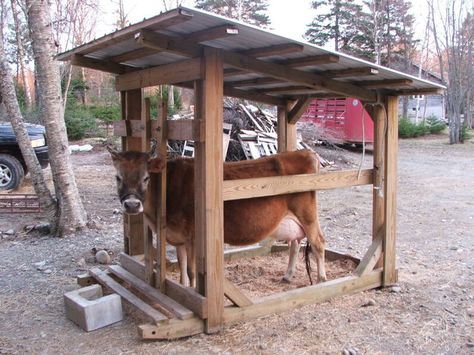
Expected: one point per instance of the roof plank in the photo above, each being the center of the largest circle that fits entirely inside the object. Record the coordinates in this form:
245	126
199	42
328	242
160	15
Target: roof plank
102	65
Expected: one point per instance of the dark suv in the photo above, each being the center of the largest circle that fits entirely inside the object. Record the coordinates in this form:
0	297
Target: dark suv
12	164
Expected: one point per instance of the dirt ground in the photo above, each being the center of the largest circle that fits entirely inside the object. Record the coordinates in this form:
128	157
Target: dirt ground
432	310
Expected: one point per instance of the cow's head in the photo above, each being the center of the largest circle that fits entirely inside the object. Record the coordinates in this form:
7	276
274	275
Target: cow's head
133	176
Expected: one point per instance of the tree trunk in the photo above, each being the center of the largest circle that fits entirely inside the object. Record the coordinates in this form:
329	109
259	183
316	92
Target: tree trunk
72	216
8	94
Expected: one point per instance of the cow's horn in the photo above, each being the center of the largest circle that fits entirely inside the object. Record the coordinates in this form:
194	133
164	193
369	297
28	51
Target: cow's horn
114	153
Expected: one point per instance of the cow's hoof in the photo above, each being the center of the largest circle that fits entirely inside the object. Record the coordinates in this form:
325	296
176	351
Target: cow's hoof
285	280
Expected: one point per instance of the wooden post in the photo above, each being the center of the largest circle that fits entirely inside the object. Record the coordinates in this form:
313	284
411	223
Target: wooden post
282	113
390	192
133	230
208	189
379	117
291	144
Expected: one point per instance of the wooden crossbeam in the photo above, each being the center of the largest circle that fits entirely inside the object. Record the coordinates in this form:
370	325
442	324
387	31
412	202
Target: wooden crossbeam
102	65
158	22
185	70
310	61
286	89
169	44
254	96
408	92
103	278
252	82
298	109
175	329
277	185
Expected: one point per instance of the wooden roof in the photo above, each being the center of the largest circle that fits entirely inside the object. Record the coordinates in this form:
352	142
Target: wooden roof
259	65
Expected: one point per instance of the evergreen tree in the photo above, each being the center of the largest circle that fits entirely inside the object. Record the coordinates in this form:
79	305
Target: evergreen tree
337	23
249	11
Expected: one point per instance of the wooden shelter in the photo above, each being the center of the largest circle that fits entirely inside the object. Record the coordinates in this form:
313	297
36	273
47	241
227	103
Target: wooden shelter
217	56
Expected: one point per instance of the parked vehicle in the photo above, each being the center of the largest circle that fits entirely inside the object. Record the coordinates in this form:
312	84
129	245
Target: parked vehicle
12	165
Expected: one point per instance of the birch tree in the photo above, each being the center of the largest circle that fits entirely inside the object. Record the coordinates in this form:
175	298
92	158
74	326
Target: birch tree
72	216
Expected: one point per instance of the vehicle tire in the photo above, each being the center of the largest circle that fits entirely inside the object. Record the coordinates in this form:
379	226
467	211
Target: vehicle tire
11	172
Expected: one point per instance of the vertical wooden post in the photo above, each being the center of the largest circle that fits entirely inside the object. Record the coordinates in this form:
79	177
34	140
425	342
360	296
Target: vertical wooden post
208	189
282	114
149	207
291	144
379	117
161	208
133	230
390	193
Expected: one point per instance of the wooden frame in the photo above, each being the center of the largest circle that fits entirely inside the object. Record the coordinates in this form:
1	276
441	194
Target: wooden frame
183	311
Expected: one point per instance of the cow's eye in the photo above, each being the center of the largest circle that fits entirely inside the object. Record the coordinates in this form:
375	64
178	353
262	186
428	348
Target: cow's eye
146	179
118	178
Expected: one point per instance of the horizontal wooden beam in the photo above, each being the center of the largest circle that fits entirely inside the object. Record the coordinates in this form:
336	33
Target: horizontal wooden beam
303	296
168	44
431	91
175	329
186	70
175	130
102	65
173	17
301	77
253	82
286	89
278	185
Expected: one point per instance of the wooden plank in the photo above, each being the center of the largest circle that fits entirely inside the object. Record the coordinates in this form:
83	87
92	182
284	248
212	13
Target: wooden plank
384	84
371	257
152	293
85	280
350	72
378	211
281	72
253	82
161	21
133	225
182	71
391	149
188	297
300	107
128	128
235	295
277	185
185	130
246	252
102	65
113	285
303	296
175	329
168	44
132	265
282	117
310	60
161	136
209	204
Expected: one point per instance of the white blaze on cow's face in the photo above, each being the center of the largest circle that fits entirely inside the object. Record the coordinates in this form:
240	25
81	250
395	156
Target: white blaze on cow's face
132	179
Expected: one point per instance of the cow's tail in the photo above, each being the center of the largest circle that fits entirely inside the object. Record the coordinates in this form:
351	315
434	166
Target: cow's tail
307	260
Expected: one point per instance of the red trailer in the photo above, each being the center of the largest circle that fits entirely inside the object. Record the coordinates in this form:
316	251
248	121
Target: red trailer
340	120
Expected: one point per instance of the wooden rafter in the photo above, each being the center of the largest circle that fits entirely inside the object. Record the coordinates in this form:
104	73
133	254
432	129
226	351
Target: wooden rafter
132	55
379	84
351	72
285	89
211	33
269	51
253	82
310	60
161	21
254	96
102	65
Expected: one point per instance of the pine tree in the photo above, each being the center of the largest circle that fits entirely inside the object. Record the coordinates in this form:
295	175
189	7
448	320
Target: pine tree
248	11
337	23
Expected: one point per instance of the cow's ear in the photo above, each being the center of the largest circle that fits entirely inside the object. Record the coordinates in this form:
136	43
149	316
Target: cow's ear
156	165
114	153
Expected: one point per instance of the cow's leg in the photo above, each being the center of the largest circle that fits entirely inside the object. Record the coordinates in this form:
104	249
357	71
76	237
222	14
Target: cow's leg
318	246
294	248
183	264
191	263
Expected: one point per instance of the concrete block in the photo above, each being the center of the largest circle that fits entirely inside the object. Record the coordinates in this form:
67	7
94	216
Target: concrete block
89	309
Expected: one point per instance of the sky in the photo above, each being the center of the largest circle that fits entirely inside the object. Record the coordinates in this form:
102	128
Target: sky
288	17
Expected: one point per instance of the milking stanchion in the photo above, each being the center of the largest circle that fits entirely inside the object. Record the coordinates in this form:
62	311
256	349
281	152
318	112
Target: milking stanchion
216	56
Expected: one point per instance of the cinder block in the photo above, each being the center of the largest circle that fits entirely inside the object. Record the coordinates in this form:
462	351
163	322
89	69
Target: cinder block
89	309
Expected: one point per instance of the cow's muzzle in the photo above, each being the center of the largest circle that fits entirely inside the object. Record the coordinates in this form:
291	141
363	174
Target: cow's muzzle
132	205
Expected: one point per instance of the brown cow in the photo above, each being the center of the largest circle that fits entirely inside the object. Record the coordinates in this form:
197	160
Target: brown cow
288	217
